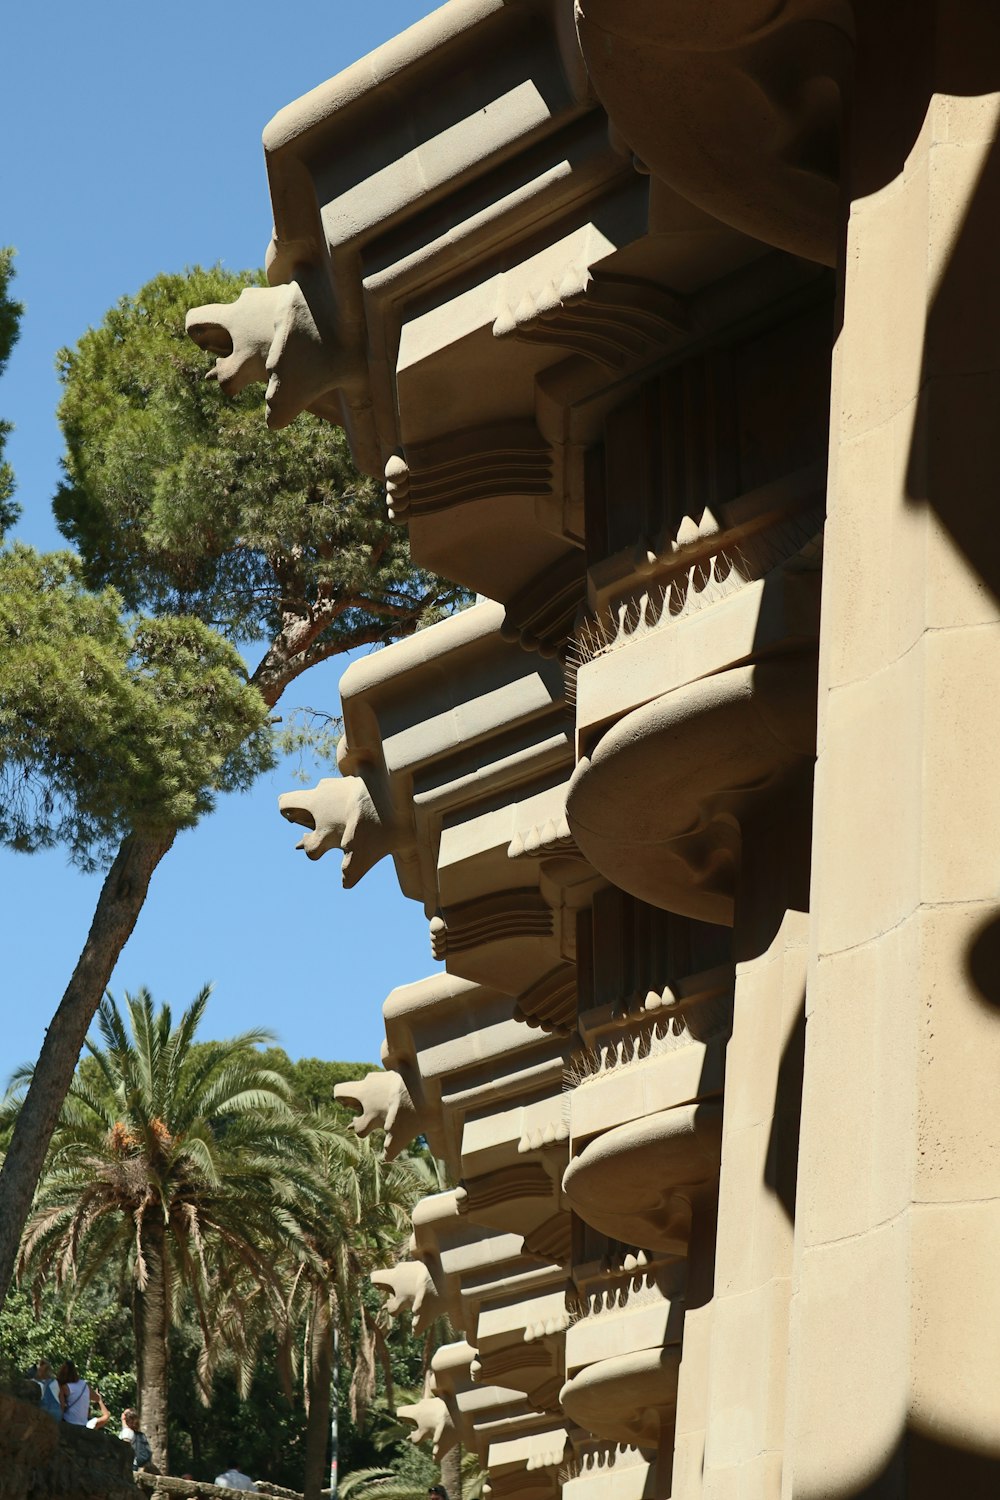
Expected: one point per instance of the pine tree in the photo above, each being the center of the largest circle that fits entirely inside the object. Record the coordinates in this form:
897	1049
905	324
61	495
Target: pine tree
200	521
10	319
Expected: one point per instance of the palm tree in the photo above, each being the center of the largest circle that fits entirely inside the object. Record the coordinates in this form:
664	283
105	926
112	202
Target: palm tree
357	1225
319	1306
171	1160
384	1484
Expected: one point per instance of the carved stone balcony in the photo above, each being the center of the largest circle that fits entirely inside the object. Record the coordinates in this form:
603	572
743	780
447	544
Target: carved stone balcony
623	1354
683	722
646	1118
492	221
479	1410
529	1464
522	1447
736	104
520	1337
612	1471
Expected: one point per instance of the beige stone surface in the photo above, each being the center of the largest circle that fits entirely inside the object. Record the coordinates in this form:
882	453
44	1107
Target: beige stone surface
554	268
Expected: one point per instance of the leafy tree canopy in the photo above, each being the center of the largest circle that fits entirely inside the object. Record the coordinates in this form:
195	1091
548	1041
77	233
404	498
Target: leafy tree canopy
93	1330
10	318
187	512
170	1170
109	725
184	501
313	1080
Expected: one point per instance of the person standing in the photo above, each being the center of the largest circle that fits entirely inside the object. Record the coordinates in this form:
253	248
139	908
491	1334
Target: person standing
74	1394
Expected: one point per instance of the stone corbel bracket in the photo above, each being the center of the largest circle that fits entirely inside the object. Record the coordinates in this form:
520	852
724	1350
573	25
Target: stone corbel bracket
410	1285
640	1181
385	1103
736	105
627	1397
479	1410
285	335
340	813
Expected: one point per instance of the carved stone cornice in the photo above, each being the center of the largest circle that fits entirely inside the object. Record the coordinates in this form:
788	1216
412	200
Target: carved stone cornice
541	615
613	320
457	1047
522	912
551	1240
483	1195
483	465
554	836
479	1410
492	222
551	1003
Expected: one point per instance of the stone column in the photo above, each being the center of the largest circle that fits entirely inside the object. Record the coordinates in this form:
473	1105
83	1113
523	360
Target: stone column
748	1343
896	1315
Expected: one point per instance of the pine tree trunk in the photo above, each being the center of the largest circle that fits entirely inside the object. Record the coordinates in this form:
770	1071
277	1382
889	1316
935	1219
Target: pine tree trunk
152	1321
118	906
320	1382
451	1472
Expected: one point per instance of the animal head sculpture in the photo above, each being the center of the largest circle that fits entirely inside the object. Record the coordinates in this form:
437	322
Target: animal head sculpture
339	814
285	335
410	1284
431	1419
386	1104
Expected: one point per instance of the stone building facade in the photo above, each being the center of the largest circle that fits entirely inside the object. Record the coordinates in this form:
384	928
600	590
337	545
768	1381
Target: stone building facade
673	328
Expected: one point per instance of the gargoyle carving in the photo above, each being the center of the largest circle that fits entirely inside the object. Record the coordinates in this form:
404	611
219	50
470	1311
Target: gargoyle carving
431	1419
385	1104
282	334
410	1284
339	814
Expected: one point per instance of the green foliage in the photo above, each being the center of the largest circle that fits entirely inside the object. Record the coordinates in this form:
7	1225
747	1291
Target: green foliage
186	503
201	1146
313	1081
95	1332
108	725
10	318
275	1213
410	1479
263	1429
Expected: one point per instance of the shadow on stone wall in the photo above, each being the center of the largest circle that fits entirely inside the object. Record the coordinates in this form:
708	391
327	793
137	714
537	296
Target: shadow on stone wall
41	1459
922	1464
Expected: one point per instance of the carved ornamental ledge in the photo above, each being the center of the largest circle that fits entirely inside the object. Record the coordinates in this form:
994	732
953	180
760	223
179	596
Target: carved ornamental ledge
432	726
432	1086
498	219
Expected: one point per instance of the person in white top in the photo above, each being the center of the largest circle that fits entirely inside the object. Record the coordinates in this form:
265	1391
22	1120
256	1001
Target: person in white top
105	1416
74	1394
235	1479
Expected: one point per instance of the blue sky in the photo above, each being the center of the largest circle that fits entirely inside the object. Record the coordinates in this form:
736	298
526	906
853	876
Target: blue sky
132	146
